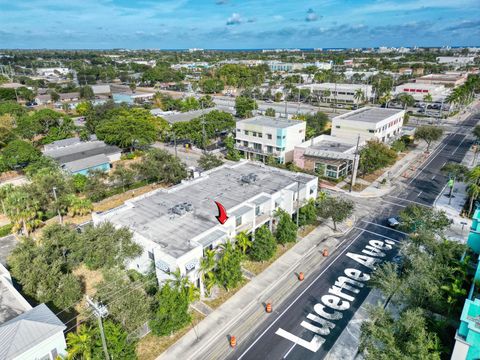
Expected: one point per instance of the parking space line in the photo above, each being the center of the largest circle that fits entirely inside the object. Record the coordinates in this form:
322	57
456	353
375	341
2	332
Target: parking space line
385	227
289	350
377	234
391	203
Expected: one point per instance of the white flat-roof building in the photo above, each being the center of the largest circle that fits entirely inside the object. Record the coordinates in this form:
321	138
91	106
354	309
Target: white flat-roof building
449	79
263	136
27	332
420	90
339	93
175	226
55	71
368	123
456	60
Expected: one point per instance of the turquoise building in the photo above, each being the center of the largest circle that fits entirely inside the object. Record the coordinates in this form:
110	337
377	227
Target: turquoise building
467	339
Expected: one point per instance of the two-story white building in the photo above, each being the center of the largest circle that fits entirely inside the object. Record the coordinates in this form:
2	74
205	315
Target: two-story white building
369	123
263	136
420	91
175	226
340	93
27	333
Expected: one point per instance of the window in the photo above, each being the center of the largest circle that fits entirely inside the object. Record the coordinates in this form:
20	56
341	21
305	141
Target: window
277	205
254	133
311	191
151	256
257	210
337	126
371	131
279	137
270	149
245	132
260	135
245	143
269	136
238	221
238	130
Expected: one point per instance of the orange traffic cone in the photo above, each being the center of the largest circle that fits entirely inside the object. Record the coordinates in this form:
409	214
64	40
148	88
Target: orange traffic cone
300	276
268	308
233	341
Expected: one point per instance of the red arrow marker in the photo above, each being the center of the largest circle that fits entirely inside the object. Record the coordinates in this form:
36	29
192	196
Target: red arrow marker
222	213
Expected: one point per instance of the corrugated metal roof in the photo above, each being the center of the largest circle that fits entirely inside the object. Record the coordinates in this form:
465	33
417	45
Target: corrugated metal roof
260	200
27	330
212	237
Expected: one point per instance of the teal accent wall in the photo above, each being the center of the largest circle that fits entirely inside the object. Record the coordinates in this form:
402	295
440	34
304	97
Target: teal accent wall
280	140
474	237
468	328
104	167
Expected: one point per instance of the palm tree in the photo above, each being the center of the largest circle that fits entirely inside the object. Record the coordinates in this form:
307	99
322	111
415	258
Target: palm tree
207	264
428	98
243	242
322	196
385	99
406	100
23	211
80	343
183	284
359	96
473	178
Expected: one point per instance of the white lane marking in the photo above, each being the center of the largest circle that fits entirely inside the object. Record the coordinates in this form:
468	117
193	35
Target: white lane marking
433	177
300	295
412	201
377	234
420	193
289	350
459	145
385	227
430	159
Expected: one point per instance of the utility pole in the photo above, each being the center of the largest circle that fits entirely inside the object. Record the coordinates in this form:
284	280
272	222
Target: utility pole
100	311
355	164
56	203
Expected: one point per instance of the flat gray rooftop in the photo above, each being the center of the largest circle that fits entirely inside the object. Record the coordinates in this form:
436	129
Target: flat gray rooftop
368	114
186	116
80	151
326	145
7	244
152	218
270	122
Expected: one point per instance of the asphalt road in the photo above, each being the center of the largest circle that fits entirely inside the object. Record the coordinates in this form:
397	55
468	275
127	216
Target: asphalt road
281	337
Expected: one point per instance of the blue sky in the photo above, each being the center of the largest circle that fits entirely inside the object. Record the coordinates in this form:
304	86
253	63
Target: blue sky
233	24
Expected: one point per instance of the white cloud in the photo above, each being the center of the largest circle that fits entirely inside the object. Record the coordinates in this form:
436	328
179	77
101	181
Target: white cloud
235	19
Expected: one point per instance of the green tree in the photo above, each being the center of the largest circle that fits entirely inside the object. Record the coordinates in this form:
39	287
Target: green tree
131	305
207	265
86	92
23	210
160	166
385	337
244	106
270	112
229	272
286	230
264	245
129	129
19	153
212	86
417	218
428	133
336	208
375	155
80	343
171	313
476	131
232	153
118	344
455	172
209	161
105	246
405	99
124	176
308	213
54	96
243	242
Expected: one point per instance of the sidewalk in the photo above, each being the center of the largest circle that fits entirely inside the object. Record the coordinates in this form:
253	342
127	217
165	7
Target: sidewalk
459	229
240	314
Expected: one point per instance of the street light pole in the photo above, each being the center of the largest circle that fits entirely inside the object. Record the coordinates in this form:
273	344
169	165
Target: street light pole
355	160
100	311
